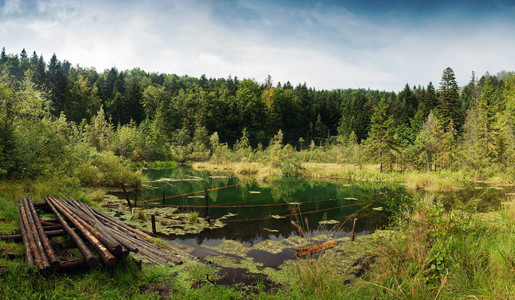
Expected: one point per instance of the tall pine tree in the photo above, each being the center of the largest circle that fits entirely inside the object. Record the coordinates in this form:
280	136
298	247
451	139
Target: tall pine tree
381	142
448	104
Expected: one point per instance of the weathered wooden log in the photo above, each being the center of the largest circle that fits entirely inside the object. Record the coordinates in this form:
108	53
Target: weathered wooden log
90	258
103	241
316	248
116	246
133	233
12	237
28	253
112	245
353	236
121	224
53	222
58	232
52	258
36	247
153	220
48	233
299	229
106	256
136	195
50	228
146	248
122	240
126	196
72	265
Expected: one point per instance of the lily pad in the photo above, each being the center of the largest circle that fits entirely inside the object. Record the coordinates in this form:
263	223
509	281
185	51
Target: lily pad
227	216
329	222
277	217
168	220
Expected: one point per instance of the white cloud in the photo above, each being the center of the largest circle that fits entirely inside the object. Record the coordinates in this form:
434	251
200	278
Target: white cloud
12	6
325	49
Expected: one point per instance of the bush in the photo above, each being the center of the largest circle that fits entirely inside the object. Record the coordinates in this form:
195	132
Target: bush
106	169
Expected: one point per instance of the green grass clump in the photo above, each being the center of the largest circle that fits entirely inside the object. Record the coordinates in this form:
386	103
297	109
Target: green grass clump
445	253
435	252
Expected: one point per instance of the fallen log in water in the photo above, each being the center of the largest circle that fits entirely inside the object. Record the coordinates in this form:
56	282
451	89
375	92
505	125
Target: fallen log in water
316	248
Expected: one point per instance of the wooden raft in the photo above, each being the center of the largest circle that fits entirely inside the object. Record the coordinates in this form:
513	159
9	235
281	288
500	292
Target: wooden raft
98	236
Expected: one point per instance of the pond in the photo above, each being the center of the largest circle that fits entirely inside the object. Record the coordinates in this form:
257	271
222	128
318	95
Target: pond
246	218
256	211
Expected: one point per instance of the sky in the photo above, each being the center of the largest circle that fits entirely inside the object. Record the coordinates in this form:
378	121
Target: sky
378	44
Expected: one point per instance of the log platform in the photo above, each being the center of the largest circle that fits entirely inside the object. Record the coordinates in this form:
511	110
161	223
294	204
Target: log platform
98	236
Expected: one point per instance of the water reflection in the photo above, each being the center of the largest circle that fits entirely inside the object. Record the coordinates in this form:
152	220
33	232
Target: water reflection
270	215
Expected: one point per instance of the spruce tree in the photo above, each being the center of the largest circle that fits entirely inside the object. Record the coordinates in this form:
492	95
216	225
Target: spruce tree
449	96
3	56
381	141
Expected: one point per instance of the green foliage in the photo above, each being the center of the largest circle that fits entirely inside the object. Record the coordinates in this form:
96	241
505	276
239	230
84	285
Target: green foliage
106	169
144	116
84	100
381	143
100	133
448	99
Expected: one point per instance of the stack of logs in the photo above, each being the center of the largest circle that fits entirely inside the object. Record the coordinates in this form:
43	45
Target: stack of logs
96	235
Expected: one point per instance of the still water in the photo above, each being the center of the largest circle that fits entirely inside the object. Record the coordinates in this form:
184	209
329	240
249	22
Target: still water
264	210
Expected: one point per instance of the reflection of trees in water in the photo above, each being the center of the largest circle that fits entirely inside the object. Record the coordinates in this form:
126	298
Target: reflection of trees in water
482	198
252	231
279	190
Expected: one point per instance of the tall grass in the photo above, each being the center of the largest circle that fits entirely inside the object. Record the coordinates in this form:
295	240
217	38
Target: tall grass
434	253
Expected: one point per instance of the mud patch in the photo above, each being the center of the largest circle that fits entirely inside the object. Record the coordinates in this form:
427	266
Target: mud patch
157	289
243	280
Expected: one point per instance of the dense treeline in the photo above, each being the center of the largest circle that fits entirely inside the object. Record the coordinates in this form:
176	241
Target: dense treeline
54	110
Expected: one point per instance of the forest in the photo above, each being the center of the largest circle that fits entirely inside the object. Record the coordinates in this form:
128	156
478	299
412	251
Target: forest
96	120
75	131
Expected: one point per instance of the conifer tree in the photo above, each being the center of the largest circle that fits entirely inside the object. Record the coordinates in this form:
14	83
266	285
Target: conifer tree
3	56
486	121
448	99
100	133
429	142
381	141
